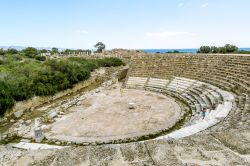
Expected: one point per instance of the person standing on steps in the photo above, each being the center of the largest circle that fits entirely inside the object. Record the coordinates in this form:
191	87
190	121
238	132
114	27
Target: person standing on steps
203	113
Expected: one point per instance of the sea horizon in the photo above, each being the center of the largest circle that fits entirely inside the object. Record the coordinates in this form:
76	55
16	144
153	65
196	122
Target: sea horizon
191	50
153	50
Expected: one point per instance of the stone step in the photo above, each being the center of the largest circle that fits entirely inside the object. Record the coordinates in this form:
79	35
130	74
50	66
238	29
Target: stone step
36	146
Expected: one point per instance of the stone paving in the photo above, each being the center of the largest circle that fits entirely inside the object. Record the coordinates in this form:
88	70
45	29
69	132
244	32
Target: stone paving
107	116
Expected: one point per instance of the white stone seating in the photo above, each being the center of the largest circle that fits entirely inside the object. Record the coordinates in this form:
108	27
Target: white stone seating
204	96
207	93
222	113
197	94
178	86
213	118
226	95
198	97
156	83
228	72
181	84
136	82
247	103
217	96
36	146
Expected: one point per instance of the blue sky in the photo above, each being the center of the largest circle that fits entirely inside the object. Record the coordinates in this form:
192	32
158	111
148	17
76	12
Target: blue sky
124	23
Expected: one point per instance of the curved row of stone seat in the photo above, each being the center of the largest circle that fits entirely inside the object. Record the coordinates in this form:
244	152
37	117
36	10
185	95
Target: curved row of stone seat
240	118
227	71
212	119
136	82
197	94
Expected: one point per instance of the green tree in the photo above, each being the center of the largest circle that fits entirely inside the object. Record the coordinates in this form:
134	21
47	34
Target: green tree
230	48
2	52
12	51
40	58
222	50
204	49
30	52
6	100
54	50
214	50
31	78
67	52
100	47
44	51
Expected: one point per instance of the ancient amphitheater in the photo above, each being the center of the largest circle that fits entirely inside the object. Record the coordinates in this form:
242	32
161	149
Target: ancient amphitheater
153	117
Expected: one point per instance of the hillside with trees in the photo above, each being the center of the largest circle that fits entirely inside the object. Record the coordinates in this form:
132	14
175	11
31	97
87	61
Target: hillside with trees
22	76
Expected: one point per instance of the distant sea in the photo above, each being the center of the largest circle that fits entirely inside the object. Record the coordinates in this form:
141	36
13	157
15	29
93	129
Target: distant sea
193	50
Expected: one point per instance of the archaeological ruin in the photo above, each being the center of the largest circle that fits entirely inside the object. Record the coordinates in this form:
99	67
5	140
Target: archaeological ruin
158	109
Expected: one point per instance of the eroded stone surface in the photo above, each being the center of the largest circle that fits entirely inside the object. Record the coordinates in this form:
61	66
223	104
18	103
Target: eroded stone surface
105	116
201	149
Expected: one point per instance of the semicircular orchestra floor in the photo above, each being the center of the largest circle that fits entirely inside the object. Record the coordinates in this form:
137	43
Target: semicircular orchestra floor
106	116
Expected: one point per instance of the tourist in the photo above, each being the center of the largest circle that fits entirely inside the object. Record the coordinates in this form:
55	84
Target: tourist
203	113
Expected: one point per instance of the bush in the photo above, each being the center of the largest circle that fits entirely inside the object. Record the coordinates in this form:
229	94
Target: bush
40	58
30	52
228	48
204	49
6	100
108	62
2	52
11	51
222	50
30	78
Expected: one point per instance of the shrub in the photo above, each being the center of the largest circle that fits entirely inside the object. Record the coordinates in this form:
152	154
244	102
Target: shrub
30	78
40	58
11	51
2	52
108	62
30	52
204	49
228	48
6	99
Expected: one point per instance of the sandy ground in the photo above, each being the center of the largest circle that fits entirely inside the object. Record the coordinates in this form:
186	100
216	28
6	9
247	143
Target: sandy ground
106	116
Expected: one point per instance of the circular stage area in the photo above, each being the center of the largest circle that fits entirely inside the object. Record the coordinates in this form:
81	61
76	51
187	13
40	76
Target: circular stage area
116	114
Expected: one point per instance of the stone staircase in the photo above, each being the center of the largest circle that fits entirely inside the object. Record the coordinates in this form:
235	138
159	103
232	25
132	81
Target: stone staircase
199	80
198	95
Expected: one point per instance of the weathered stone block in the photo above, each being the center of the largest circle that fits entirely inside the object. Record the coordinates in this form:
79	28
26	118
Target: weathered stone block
18	114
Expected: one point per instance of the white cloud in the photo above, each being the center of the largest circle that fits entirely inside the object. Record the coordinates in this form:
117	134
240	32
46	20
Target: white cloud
84	32
169	34
204	5
180	4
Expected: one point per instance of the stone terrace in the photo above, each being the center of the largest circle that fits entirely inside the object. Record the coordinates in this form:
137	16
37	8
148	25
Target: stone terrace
228	72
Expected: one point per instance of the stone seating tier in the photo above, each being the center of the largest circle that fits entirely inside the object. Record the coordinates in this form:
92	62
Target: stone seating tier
228	72
195	94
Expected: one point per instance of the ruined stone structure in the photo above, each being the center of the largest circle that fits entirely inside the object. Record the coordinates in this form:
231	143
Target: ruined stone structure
198	80
220	83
